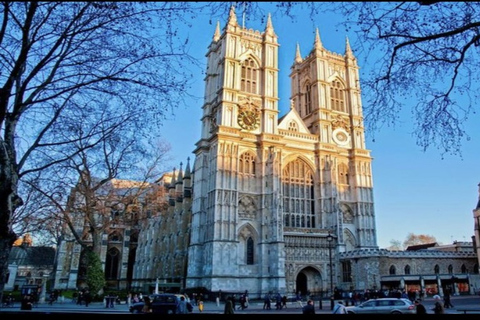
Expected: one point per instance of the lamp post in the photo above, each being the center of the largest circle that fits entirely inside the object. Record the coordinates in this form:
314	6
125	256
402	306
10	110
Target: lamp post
329	240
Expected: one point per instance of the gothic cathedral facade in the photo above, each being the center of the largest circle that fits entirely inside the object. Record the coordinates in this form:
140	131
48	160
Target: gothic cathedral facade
277	199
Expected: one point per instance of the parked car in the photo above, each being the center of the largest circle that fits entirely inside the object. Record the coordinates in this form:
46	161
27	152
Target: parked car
384	306
163	303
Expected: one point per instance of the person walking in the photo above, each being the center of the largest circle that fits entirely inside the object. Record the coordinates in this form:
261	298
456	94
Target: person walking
267	302
420	308
182	306
229	306
309	308
447	303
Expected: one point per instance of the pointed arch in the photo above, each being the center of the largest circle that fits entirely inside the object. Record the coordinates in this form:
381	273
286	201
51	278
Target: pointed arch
298	194
248	238
249	75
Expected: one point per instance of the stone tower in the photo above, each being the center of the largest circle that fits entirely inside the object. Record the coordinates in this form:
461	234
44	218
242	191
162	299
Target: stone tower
268	190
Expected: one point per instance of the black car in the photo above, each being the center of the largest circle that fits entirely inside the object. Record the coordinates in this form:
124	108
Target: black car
163	303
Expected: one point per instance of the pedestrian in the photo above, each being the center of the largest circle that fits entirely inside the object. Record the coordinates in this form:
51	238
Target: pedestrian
267	302
182	306
229	306
200	305
339	308
309	308
284	302
147	306
87	298
447	303
438	306
420	308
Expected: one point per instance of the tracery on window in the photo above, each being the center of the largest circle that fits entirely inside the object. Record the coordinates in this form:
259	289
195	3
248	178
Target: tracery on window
249	76
298	195
247	163
337	96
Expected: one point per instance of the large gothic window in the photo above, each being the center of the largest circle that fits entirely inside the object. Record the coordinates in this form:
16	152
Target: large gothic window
407	269
249	76
298	197
111	263
436	269
337	96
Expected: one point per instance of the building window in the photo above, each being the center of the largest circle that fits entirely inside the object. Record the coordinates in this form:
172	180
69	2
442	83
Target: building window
464	269
346	271
249	76
250	251
392	270
308	98
343	173
337	96
436	269
247	164
111	264
407	269
293	126
450	269
298	195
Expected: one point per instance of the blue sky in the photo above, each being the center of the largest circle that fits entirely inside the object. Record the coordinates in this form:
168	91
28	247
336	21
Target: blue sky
415	191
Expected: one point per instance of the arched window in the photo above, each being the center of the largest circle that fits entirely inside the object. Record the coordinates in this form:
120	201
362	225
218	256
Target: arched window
250	251
337	96
392	270
464	269
407	269
111	264
450	269
247	164
436	269
249	76
298	197
342	173
475	268
308	98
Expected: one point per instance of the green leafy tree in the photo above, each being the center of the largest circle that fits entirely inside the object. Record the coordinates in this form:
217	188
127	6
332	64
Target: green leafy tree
95	275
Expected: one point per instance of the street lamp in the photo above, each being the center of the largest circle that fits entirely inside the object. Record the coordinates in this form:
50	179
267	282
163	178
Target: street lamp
329	240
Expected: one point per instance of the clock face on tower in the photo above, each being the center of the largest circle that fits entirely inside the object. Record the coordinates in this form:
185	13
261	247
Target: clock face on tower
248	120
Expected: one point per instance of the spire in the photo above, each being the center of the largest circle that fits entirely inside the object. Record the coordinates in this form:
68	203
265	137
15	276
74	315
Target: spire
269	26
318	43
232	17
180	174
348	50
298	56
188	173
173	181
216	35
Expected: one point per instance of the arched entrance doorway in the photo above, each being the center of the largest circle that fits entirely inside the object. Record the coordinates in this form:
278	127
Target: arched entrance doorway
309	282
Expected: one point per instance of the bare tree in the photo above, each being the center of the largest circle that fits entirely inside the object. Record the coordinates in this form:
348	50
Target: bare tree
72	74
425	57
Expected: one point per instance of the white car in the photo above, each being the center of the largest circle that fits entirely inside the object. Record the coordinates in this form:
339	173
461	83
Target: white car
384	306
